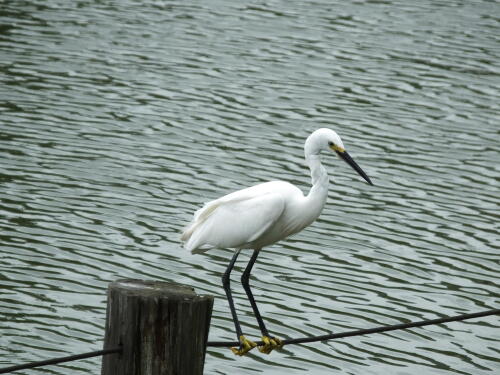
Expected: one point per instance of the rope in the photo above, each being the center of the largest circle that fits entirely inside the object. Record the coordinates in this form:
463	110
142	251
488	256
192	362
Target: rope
368	331
54	361
301	340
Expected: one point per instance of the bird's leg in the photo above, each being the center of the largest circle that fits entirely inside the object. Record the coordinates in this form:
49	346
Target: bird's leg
245	344
270	343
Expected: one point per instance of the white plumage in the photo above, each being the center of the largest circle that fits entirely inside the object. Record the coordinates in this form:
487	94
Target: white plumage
266	213
262	215
248	219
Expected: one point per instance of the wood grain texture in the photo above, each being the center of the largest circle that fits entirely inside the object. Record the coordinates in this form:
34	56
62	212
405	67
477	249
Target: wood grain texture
163	328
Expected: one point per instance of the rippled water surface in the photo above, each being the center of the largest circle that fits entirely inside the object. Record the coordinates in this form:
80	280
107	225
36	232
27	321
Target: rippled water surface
119	118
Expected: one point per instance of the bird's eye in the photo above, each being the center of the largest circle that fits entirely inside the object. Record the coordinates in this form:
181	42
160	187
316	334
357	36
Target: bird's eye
330	143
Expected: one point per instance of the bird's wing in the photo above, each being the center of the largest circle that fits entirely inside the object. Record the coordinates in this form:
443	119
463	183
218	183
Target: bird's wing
234	220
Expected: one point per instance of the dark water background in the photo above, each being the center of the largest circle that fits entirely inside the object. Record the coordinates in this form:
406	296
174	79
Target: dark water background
119	118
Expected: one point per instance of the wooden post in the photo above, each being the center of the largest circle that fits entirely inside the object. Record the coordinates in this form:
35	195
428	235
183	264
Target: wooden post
163	328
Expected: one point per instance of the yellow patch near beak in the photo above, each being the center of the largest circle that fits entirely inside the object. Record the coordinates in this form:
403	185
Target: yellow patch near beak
337	148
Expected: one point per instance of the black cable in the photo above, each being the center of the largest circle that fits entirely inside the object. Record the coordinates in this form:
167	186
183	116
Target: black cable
368	331
54	361
301	340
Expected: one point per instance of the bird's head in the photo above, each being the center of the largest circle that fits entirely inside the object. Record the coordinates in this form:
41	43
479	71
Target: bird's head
327	139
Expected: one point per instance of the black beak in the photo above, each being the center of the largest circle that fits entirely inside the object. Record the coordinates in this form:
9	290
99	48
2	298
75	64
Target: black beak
347	158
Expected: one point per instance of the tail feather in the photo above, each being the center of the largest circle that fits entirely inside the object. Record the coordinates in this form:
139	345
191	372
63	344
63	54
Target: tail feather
200	217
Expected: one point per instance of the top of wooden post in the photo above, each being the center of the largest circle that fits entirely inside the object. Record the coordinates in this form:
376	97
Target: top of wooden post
150	288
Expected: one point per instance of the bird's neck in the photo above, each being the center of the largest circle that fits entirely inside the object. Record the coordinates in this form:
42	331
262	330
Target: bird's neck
319	178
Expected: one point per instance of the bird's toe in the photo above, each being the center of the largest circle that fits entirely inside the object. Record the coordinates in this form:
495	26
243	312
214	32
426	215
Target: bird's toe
245	346
270	343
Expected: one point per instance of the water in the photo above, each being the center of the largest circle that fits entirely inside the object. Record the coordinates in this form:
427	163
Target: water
119	119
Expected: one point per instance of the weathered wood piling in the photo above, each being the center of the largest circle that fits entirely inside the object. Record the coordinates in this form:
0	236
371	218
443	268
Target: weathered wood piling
162	327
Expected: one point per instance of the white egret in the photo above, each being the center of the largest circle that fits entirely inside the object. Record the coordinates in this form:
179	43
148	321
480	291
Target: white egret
262	215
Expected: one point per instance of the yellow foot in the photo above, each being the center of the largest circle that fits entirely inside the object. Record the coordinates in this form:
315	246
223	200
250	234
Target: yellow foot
270	343
245	346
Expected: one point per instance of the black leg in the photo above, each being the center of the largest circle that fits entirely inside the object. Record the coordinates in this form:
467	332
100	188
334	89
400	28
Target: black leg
226	285
245	344
245	279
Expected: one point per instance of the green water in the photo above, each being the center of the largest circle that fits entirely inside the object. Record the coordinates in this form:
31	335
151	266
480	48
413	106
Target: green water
119	118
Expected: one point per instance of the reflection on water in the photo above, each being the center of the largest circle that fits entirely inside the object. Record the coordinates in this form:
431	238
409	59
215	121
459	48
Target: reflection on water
119	119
